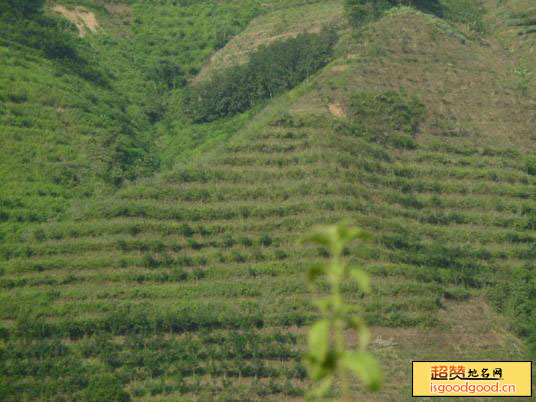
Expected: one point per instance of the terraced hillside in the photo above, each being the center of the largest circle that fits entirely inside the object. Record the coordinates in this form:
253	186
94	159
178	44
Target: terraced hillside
65	132
83	116
190	285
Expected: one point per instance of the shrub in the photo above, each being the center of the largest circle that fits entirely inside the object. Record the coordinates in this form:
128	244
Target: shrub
4	333
199	273
139	392
195	245
530	165
469	12
265	240
122	245
515	297
185	261
456	293
237	256
104	387
379	115
186	230
134	230
228	241
24	9
167	75
4	216
402	141
151	262
360	12
280	254
40	235
246	241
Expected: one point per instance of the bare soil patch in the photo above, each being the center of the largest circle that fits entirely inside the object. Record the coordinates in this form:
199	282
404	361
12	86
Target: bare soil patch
84	20
336	110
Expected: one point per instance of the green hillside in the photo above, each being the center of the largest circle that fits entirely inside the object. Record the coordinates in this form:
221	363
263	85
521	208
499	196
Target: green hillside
98	105
67	133
147	257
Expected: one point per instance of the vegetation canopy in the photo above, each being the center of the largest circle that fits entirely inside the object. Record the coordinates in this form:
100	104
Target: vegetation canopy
271	70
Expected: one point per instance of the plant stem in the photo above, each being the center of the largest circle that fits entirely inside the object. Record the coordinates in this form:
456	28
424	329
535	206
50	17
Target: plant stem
339	340
339	331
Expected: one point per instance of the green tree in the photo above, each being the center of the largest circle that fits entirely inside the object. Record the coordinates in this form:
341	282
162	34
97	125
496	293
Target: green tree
22	8
360	12
167	75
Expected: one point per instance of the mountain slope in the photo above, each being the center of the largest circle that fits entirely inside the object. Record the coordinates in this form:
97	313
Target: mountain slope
104	107
66	133
189	285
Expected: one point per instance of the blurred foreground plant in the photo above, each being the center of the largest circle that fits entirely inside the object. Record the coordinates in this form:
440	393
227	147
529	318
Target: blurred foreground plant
328	356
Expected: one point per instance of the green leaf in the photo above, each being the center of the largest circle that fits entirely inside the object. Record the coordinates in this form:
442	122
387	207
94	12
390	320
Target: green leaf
360	327
323	236
319	370
318	340
323	304
362	279
321	388
365	366
348	233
